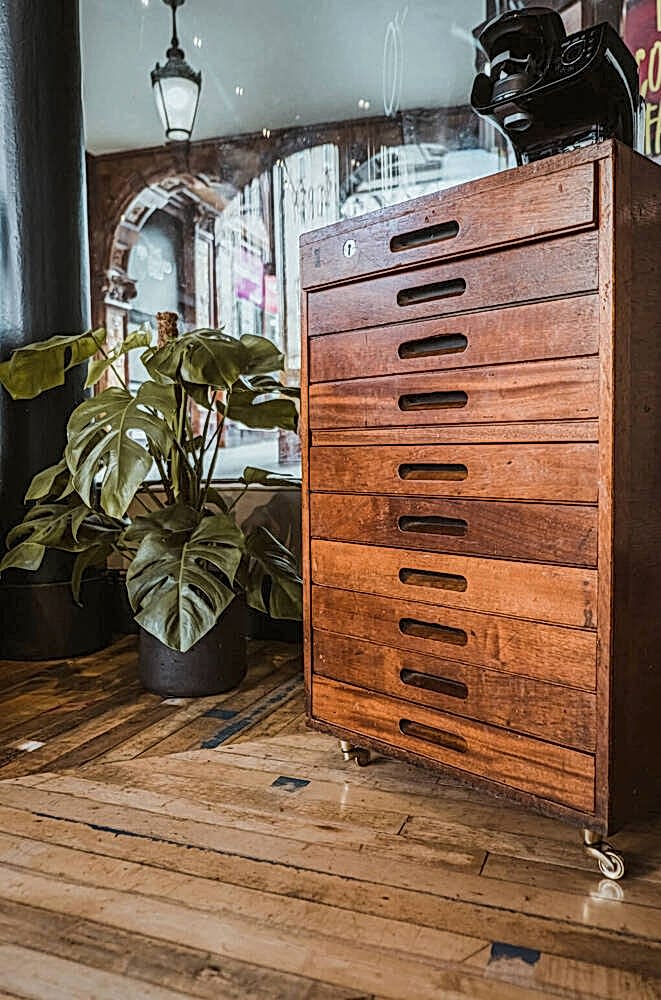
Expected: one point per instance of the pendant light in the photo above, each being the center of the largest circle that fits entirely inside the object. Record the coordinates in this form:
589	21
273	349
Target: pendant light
176	87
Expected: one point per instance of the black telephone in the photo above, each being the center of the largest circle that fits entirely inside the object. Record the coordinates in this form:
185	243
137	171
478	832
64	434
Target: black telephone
548	92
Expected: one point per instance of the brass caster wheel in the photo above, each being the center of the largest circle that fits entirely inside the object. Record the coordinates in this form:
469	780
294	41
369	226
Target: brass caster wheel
350	752
610	861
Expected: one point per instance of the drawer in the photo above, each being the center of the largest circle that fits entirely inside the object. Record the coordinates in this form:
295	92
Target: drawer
530	531
506	210
551	653
549	711
565	472
555	268
563	389
564	328
531	765
560	594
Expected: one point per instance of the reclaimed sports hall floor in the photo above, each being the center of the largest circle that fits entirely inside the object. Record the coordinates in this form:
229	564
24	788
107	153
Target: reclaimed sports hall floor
216	848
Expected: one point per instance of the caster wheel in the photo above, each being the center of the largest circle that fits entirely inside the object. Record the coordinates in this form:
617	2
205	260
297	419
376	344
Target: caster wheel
610	861
350	752
611	865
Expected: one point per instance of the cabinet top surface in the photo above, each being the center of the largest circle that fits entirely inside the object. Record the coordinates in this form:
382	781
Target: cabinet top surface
492	182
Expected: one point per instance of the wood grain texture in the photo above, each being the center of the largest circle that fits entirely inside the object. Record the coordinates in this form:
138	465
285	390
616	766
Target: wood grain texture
520	704
553	431
559	594
554	772
635	682
533	332
566	389
561	472
564	201
548	652
411	453
211	874
565	266
541	532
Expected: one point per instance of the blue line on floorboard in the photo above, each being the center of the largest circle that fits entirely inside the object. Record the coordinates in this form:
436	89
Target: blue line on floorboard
289	784
501	950
259	710
220	713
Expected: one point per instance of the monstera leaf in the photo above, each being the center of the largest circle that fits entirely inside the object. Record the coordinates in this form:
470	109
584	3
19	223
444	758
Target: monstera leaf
70	526
37	367
52	483
262	477
202	358
102	441
212	358
181	578
269	562
262	402
259	356
133	340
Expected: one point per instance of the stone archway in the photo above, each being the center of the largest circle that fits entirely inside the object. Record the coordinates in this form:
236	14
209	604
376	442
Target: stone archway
192	197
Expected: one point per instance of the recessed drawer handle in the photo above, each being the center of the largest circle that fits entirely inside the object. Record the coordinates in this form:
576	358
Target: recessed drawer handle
431	630
439	685
429	293
422	237
433	525
427	578
439	737
428	347
433	470
450	399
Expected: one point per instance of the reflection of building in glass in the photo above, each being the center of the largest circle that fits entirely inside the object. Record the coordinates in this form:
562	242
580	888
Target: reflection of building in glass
399	173
221	247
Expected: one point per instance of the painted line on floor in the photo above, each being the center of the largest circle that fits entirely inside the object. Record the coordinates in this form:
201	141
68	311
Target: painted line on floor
256	713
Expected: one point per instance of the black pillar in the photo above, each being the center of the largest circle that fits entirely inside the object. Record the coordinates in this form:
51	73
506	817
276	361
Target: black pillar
43	291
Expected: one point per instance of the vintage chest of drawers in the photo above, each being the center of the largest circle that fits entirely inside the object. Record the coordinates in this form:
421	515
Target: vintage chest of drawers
482	485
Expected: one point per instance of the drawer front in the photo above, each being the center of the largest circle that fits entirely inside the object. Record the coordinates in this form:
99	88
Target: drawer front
551	653
566	389
549	711
556	268
564	472
560	594
531	765
541	330
455	222
530	531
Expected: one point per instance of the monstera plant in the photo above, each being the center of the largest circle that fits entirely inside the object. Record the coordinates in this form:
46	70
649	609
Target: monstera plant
137	476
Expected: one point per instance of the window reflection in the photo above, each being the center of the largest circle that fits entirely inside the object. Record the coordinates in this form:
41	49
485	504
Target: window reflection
211	231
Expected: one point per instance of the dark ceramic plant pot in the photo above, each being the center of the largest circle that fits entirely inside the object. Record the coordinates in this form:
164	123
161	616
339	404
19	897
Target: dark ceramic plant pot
215	664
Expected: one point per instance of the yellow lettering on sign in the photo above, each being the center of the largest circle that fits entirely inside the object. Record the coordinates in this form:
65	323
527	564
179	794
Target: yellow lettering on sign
653	129
654	70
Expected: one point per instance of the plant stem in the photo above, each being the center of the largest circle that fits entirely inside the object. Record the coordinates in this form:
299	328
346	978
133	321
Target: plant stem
142	503
165	479
101	350
212	466
237	498
199	459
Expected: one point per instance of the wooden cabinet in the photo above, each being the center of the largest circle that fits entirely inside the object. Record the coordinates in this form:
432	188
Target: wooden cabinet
482	483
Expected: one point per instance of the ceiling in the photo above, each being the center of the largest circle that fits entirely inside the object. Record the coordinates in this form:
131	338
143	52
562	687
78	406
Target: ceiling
298	62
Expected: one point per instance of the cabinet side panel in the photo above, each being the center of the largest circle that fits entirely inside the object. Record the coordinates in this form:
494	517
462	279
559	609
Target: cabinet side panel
636	676
305	505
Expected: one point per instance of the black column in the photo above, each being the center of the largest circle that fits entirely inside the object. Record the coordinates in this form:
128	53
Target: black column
43	291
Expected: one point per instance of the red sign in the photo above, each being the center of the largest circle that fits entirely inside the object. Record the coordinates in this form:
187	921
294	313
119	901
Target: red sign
641	30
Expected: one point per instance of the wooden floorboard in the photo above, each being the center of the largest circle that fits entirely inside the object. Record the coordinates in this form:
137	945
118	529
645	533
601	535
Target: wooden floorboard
218	848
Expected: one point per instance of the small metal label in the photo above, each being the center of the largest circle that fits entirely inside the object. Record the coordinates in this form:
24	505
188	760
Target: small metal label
349	248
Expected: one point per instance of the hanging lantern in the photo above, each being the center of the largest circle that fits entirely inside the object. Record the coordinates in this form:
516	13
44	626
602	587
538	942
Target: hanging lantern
176	88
